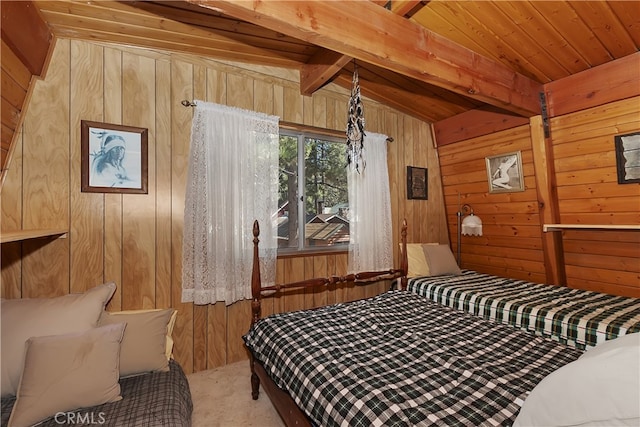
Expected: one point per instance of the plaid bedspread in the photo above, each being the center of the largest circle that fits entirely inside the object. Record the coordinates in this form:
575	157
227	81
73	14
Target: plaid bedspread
157	399
399	359
572	316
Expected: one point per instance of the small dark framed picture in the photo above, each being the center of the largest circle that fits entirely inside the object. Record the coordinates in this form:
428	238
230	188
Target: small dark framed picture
417	183
628	157
114	158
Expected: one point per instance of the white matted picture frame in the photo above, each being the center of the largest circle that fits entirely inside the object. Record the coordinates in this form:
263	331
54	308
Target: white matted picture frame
114	158
504	173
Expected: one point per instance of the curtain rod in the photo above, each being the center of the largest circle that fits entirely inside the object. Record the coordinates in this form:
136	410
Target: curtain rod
293	126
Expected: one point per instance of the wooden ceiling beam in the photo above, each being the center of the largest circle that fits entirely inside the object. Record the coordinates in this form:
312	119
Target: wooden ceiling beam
407	8
325	64
370	33
32	46
473	123
599	85
320	69
123	23
399	99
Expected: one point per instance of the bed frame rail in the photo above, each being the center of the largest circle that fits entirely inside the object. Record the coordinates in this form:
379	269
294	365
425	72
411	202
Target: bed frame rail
258	291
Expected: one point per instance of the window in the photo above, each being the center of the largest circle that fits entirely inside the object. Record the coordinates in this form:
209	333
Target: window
312	196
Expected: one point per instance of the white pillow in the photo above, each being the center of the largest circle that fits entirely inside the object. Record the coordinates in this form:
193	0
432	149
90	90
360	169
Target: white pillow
624	343
601	388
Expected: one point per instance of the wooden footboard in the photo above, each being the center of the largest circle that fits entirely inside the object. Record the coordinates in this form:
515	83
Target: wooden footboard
284	404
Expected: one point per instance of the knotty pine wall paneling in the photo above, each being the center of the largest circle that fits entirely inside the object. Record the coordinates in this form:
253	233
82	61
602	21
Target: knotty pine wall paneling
511	243
589	193
583	153
136	240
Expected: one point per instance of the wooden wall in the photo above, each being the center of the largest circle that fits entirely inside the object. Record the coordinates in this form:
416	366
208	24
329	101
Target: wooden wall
511	243
589	193
136	240
581	150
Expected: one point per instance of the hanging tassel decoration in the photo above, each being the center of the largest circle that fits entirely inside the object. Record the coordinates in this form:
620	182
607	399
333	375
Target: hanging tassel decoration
355	126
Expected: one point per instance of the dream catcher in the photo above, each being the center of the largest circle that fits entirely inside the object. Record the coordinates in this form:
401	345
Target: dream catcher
355	126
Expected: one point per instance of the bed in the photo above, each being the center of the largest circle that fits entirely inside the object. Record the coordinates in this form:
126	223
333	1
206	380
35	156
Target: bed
576	317
154	399
402	359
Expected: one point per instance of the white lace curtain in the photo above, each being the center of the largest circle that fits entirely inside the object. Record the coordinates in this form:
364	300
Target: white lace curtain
370	246
233	180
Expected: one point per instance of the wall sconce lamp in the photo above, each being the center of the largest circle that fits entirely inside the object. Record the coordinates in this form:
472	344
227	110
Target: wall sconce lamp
471	225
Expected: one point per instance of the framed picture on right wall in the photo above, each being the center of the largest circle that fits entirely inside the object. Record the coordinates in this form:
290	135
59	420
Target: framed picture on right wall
504	173
628	157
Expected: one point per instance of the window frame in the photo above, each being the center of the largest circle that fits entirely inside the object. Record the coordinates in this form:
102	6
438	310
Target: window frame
301	133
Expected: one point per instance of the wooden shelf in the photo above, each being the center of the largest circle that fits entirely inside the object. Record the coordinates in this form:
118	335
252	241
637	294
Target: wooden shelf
15	236
561	227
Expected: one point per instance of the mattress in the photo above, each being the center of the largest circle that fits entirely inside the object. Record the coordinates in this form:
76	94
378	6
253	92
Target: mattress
572	316
156	399
399	359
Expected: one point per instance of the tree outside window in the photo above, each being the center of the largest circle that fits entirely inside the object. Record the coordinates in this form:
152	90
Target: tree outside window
318	209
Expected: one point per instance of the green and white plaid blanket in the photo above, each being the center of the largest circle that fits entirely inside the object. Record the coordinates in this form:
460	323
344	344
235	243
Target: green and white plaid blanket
572	316
399	359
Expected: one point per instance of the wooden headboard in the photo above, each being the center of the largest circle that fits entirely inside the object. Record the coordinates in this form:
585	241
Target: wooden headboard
258	291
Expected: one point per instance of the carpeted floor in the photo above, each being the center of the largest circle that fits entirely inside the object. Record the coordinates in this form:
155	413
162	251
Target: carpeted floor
222	397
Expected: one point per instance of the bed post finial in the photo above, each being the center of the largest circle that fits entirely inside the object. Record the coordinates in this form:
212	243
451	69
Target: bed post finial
404	258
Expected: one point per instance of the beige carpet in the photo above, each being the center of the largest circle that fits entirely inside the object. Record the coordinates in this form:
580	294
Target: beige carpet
222	397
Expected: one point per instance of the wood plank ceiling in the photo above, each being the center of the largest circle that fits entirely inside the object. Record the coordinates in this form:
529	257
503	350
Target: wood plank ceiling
476	42
429	59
